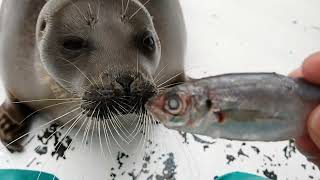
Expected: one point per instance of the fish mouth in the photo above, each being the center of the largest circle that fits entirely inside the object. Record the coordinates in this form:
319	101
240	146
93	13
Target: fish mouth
155	105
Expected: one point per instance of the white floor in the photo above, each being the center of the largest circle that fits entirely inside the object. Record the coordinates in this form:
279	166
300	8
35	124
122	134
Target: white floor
224	36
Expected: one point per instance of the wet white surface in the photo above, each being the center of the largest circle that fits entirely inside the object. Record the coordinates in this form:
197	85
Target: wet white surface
224	36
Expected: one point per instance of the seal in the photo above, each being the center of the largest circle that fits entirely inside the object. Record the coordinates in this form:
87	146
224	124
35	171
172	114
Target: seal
92	58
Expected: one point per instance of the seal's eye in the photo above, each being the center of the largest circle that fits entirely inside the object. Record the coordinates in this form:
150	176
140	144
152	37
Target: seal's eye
173	105
73	43
147	42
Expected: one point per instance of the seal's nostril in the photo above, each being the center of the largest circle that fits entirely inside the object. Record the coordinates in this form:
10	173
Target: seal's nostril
125	82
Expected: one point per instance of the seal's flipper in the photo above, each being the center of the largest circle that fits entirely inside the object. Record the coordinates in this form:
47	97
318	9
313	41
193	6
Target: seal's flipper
11	125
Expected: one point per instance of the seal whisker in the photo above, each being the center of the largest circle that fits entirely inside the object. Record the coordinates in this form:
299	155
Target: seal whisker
83	123
115	126
93	79
100	77
137	126
138	102
178	74
39	100
75	136
158	74
86	131
121	126
71	84
144	133
108	115
79	11
59	142
90	9
138	10
100	140
107	138
151	136
141	127
98	11
169	85
92	132
137	63
91	119
120	106
122	7
38	128
87	134
125	11
77	69
116	121
54	105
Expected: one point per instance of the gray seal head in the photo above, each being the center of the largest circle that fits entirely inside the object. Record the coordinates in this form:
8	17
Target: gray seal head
102	51
98	57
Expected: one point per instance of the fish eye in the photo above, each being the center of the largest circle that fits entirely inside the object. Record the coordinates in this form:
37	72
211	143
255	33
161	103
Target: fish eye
173	105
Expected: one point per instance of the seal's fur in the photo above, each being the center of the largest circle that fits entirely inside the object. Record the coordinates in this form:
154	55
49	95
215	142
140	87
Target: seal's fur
75	48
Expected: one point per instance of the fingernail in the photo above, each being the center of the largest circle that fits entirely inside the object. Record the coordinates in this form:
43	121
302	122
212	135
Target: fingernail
315	123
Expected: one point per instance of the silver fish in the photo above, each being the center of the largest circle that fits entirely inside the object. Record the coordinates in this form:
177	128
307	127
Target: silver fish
247	106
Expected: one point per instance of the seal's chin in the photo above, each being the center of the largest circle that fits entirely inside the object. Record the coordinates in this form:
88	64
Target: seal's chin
104	103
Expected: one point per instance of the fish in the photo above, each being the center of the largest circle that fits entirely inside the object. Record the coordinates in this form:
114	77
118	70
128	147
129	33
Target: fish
238	106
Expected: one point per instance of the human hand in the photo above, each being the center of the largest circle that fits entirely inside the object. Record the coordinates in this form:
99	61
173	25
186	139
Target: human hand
309	144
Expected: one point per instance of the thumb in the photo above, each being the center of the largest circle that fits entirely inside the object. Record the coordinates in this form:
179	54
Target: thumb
314	126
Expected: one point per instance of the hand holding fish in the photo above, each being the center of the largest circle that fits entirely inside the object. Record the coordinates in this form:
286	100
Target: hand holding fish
309	144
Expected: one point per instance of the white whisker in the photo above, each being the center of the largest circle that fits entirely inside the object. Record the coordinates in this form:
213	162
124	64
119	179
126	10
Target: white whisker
155	78
113	135
38	128
77	69
135	13
54	105
178	74
39	100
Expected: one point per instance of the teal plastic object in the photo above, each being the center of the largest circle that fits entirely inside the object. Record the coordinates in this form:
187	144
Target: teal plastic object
15	174
241	176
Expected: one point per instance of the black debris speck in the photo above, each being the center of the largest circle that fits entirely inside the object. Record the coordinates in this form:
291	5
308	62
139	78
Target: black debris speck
230	158
169	171
120	157
30	163
41	150
61	147
241	153
184	136
205	147
270	174
256	149
289	149
150	177
199	140
268	157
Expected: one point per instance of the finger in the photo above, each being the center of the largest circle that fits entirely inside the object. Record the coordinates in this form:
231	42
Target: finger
311	68
296	73
313	129
309	149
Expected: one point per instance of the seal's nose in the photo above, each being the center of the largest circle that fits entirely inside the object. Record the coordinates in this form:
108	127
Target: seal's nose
125	82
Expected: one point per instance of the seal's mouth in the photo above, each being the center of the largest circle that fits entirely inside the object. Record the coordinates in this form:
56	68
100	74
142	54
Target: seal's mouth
104	103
